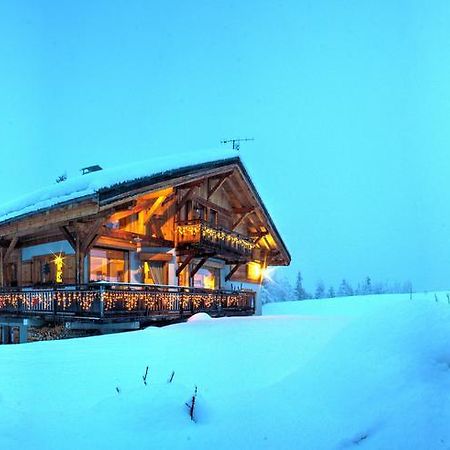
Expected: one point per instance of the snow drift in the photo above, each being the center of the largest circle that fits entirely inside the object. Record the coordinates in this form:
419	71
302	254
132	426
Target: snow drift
372	372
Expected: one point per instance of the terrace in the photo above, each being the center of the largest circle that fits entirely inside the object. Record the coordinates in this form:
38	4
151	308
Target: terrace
122	302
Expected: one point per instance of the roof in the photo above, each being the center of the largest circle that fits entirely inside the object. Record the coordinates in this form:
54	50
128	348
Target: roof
105	185
90	184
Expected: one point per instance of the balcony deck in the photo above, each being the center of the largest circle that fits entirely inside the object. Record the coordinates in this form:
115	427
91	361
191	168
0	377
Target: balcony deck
201	235
121	302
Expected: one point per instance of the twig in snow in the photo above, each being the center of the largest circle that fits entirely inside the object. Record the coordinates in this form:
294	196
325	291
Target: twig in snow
145	376
191	406
171	377
448	298
436	297
117	389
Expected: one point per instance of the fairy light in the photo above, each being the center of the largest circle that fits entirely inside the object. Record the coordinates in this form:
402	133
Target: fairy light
193	232
120	300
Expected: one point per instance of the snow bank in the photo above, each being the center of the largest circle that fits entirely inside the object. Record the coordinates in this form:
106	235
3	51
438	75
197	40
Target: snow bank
199	317
89	184
323	377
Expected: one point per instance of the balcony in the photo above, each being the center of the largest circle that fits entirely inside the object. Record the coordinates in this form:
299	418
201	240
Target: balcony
122	301
203	236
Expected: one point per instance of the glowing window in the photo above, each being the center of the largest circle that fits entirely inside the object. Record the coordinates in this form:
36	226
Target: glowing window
108	265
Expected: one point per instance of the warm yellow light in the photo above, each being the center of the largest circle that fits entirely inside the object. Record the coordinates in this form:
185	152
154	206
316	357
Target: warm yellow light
59	262
209	282
255	271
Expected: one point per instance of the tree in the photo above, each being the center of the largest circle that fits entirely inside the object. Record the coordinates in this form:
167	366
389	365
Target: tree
345	289
300	292
367	287
320	290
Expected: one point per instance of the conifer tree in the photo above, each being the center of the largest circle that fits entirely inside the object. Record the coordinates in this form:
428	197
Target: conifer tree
320	290
345	289
300	292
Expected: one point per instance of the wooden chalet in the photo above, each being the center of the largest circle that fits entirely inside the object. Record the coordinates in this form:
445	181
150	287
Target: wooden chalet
161	239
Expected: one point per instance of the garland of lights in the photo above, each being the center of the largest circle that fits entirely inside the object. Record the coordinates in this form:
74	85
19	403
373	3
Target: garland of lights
201	229
119	300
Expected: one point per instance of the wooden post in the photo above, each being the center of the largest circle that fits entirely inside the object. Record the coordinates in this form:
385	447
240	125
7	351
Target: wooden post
233	271
19	267
102	301
1	268
77	261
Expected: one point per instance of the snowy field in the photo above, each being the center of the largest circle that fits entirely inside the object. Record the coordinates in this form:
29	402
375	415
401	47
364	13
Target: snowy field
361	372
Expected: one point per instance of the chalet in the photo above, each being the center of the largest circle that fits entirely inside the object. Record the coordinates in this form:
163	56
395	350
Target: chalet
149	241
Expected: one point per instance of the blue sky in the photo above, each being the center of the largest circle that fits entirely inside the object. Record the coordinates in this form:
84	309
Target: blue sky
348	101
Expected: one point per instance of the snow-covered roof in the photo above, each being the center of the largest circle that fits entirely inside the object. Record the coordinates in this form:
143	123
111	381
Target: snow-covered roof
84	186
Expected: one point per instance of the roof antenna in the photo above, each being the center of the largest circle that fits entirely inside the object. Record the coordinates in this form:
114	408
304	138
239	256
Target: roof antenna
236	142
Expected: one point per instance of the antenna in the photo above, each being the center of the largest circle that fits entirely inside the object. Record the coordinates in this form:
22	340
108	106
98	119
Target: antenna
236	142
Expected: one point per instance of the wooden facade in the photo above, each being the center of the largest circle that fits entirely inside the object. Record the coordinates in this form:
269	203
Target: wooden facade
199	227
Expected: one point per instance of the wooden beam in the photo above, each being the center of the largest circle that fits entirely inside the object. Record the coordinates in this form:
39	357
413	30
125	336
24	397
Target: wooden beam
68	235
233	271
198	267
10	249
215	206
91	235
243	210
240	219
193	184
261	236
158	202
185	198
121	215
49	219
187	260
169	198
219	183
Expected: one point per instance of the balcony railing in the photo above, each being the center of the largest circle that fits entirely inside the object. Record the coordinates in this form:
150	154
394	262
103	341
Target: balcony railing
198	233
121	300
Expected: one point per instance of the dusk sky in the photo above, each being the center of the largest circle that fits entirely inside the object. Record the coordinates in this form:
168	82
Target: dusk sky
348	102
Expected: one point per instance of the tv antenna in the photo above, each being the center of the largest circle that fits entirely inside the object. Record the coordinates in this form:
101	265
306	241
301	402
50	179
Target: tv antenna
236	142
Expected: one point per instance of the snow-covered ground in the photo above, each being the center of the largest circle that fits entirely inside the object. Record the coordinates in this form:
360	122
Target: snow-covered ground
369	372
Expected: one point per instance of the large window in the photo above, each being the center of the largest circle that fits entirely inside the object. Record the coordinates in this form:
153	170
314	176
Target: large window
155	272
207	277
108	265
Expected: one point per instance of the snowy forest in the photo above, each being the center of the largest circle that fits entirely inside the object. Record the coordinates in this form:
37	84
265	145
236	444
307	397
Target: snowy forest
275	289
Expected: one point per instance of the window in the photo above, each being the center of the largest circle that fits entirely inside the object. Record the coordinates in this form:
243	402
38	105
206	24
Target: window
108	265
155	272
187	210
212	217
207	278
199	211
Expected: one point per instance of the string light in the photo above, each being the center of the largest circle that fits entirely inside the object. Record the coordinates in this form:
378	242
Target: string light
121	300
196	231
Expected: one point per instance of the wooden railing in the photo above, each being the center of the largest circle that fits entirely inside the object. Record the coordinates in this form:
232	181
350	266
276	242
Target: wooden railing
115	300
201	233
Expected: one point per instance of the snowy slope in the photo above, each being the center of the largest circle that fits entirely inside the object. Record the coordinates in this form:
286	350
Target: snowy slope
369	372
85	185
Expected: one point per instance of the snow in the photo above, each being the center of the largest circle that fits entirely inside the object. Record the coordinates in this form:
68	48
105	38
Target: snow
370	372
89	184
199	317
